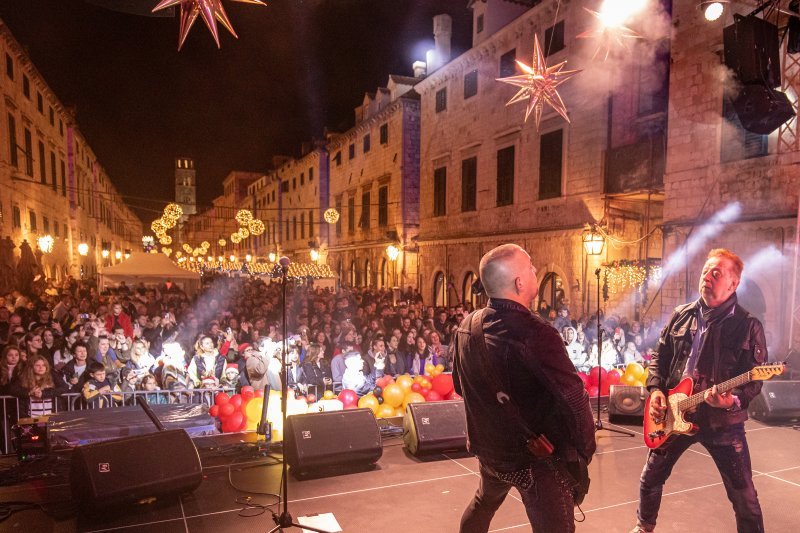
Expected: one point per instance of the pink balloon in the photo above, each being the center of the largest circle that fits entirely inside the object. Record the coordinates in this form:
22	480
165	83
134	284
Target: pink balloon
348	397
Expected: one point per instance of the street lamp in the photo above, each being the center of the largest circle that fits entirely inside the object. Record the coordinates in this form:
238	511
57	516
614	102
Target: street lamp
248	258
393	252
83	249
118	255
593	241
127	254
105	251
314	253
712	10
232	258
272	257
46	243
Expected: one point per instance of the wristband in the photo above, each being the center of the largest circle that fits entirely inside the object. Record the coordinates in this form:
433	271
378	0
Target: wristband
737	405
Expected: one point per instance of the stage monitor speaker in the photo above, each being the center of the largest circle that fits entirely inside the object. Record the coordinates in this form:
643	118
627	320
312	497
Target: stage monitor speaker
762	110
751	51
626	404
316	442
779	401
435	427
131	469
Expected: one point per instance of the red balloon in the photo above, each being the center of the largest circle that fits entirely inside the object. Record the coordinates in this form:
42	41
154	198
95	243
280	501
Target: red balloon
425	392
351	406
453	396
584	379
236	401
244	424
433	396
348	397
613	377
214	410
226	410
416	387
595	373
248	392
221	398
593	391
259	393
235	420
243	408
605	388
443	384
311	398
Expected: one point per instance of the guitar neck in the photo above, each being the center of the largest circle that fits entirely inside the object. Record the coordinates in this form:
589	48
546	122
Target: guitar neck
725	386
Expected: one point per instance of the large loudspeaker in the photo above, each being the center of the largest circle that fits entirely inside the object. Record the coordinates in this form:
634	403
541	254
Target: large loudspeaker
779	401
751	51
435	427
761	109
316	442
134	468
626	404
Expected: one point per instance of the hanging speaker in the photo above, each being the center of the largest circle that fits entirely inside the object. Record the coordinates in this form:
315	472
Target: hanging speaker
751	50
626	404
762	110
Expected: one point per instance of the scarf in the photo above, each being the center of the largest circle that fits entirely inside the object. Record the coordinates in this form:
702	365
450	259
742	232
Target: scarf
710	343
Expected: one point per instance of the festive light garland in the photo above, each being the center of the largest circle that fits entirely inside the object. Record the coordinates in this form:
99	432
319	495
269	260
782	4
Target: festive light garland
244	233
256	227
296	270
222	242
331	215
244	216
165	239
236	238
625	274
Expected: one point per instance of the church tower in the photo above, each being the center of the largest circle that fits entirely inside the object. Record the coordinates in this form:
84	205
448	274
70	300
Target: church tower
185	186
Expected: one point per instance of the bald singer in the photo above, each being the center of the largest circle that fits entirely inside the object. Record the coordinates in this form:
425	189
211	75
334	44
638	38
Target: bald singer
528	415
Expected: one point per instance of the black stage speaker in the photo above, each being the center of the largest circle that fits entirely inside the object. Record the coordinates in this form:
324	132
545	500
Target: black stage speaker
626	404
316	442
761	109
751	51
435	427
134	468
779	401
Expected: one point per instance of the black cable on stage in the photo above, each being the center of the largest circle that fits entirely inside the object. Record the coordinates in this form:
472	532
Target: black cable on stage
9	508
251	507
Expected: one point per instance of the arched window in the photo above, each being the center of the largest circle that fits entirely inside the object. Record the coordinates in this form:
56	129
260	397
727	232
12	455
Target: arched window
439	290
367	273
353	274
551	294
382	281
470	297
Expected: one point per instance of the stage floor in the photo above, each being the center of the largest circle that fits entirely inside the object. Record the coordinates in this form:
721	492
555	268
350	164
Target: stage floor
404	494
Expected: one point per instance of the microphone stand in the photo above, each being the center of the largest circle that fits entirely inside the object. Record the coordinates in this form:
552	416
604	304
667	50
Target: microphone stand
284	520
598	424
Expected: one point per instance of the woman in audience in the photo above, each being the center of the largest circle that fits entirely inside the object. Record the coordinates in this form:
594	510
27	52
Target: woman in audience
36	388
439	350
10	368
419	358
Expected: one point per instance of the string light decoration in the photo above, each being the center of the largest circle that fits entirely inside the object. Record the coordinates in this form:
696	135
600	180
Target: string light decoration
244	216
236	238
222	242
205	244
167	251
158	227
169	223
244	233
256	227
624	274
165	239
331	215
273	270
173	212
187	248
178	253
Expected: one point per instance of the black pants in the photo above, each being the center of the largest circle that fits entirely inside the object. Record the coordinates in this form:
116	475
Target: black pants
548	499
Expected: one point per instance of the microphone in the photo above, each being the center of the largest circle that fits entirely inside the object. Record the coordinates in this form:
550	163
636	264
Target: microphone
284	262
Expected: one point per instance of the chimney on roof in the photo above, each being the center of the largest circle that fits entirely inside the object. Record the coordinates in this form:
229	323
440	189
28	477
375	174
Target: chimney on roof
419	69
442	33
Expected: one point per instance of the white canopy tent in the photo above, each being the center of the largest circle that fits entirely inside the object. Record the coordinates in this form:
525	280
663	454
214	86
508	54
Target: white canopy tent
150	269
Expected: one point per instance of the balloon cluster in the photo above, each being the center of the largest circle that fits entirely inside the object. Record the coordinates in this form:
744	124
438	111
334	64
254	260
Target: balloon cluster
599	381
390	397
239	412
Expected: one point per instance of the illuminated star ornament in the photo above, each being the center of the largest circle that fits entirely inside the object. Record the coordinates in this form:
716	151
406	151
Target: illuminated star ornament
211	11
539	85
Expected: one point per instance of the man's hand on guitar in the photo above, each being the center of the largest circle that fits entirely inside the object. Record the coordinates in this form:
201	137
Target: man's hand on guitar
658	406
722	400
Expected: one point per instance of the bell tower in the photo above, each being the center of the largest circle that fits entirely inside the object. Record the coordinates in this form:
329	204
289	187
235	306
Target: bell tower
185	185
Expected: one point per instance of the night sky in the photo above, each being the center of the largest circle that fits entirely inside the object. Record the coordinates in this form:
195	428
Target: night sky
297	67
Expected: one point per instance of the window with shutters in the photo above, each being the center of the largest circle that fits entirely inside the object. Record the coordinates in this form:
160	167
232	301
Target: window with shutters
470	84
508	63
384	133
440	192
383	205
554	39
469	177
12	141
351	215
505	176
551	150
441	100
366	212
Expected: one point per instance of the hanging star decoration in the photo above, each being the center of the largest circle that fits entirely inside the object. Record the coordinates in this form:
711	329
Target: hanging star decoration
211	11
539	85
610	34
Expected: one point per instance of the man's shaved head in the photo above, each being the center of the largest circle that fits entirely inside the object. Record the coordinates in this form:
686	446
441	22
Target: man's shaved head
507	272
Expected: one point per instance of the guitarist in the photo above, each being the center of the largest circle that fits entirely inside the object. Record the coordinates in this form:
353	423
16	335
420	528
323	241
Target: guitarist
710	340
527	412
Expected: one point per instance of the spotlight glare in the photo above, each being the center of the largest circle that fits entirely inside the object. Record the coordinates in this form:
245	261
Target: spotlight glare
615	13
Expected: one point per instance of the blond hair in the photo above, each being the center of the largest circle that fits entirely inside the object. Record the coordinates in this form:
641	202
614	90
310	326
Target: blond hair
735	260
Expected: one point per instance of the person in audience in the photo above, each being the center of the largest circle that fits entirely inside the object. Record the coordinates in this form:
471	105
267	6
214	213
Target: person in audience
10	368
150	386
440	351
395	361
97	389
36	387
420	358
206	362
63	354
316	370
74	372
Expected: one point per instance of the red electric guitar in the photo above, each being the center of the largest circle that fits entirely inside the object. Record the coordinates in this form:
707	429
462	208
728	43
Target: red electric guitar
680	399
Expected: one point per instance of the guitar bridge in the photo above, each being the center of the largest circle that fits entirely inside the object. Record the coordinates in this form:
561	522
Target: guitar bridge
656	434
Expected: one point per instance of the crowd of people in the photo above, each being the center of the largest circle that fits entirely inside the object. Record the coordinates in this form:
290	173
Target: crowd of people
72	342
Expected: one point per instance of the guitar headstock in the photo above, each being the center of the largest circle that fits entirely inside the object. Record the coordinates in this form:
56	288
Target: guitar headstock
764	372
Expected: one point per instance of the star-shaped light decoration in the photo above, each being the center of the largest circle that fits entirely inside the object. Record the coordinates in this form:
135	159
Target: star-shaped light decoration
538	85
211	11
609	33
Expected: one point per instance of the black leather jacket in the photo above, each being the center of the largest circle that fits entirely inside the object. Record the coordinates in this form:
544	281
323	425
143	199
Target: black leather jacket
518	342
743	347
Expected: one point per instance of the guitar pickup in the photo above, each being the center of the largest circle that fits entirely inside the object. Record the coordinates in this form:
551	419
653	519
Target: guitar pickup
655	434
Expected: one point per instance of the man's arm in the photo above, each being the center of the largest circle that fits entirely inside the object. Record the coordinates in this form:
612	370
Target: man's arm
753	355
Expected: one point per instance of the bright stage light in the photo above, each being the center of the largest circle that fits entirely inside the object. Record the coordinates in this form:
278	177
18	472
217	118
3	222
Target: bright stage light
615	13
712	10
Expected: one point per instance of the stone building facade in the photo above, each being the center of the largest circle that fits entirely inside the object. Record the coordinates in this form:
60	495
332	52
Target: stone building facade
374	185
714	166
51	182
488	177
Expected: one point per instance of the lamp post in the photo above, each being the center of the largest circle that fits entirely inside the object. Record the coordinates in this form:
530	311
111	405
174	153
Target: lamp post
393	252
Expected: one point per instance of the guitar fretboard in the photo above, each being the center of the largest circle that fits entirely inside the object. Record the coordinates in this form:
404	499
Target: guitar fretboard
725	386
